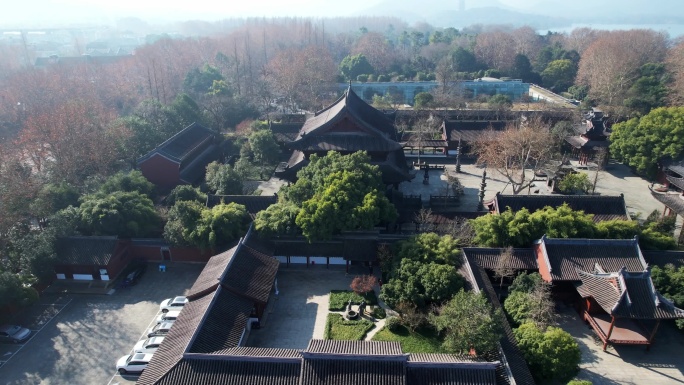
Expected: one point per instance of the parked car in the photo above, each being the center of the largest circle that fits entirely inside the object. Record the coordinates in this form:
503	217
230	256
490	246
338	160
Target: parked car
133	363
169	316
175	303
134	276
159	329
149	345
13	333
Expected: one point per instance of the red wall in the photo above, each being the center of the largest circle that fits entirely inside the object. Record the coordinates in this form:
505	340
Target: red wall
541	262
161	171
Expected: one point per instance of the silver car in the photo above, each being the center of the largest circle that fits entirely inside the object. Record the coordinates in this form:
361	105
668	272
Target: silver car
161	329
170	316
13	333
149	345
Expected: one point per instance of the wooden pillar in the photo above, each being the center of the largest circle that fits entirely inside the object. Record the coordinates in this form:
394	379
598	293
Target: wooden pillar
610	331
653	333
347	267
327	262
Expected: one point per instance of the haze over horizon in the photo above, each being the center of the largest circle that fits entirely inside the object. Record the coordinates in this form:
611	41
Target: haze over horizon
31	13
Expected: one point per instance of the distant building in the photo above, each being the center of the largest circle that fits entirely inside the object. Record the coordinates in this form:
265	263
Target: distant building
591	138
91	258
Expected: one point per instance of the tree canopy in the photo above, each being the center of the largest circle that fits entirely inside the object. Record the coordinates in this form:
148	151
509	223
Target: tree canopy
468	322
222	179
355	65
550	354
192	224
642	142
669	281
126	214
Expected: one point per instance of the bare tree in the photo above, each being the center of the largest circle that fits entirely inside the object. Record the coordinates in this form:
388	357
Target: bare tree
517	151
542	307
460	229
600	158
425	220
503	268
675	63
420	131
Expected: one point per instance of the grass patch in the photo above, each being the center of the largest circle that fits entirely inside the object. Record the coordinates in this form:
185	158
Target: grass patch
424	340
338	328
340	298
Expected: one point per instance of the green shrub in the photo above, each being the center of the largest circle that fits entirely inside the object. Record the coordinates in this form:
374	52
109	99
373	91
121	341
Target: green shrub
340	298
339	328
378	313
393	324
553	354
579	382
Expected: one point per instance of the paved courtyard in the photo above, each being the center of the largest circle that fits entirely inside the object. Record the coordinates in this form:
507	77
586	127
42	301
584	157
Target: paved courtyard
615	180
627	365
299	312
78	337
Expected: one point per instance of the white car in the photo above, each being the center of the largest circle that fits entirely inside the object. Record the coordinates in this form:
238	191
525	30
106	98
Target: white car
161	329
170	316
133	363
176	303
149	345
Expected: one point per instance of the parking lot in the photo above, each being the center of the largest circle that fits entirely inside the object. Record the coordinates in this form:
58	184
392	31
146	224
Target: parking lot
77	338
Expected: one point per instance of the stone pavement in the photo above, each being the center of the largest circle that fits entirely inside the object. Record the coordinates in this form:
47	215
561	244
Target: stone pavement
301	308
662	365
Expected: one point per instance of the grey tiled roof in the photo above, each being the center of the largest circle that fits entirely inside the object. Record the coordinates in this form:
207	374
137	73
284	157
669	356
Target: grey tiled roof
567	255
662	258
442	358
209	277
183	144
675	181
86	250
352	372
603	207
285	132
471	131
223	325
344	142
194	170
250	273
230	371
453	375
364	348
673	201
253	203
264	352
487	258
627	295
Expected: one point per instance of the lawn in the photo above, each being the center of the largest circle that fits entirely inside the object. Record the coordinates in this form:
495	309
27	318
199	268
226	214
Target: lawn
340	298
422	341
338	328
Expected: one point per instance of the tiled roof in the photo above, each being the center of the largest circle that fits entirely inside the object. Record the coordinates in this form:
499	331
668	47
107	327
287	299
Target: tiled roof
627	295
451	375
363	348
677	182
662	258
229	371
603	207
179	146
285	132
567	255
250	273
223	324
677	167
86	250
582	142
209	277
194	170
175	342
673	201
487	258
513	368
471	131
253	203
348	142
264	352
442	358
350	106
352	372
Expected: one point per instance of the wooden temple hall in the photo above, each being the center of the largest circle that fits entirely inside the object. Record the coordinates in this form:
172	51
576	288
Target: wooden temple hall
616	293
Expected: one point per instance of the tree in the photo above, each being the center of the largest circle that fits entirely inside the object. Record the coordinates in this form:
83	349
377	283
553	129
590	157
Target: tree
126	214
533	304
54	197
575	183
185	192
430	247
423	100
559	75
192	224
222	179
348	201
355	65
642	142
521	228
130	181
516	151
675	64
610	65
264	147
669	281
552	354
363	284
468	322
649	90
277	219
503	269
496	49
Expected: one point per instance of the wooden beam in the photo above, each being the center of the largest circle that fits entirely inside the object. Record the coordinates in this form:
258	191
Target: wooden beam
653	333
610	331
